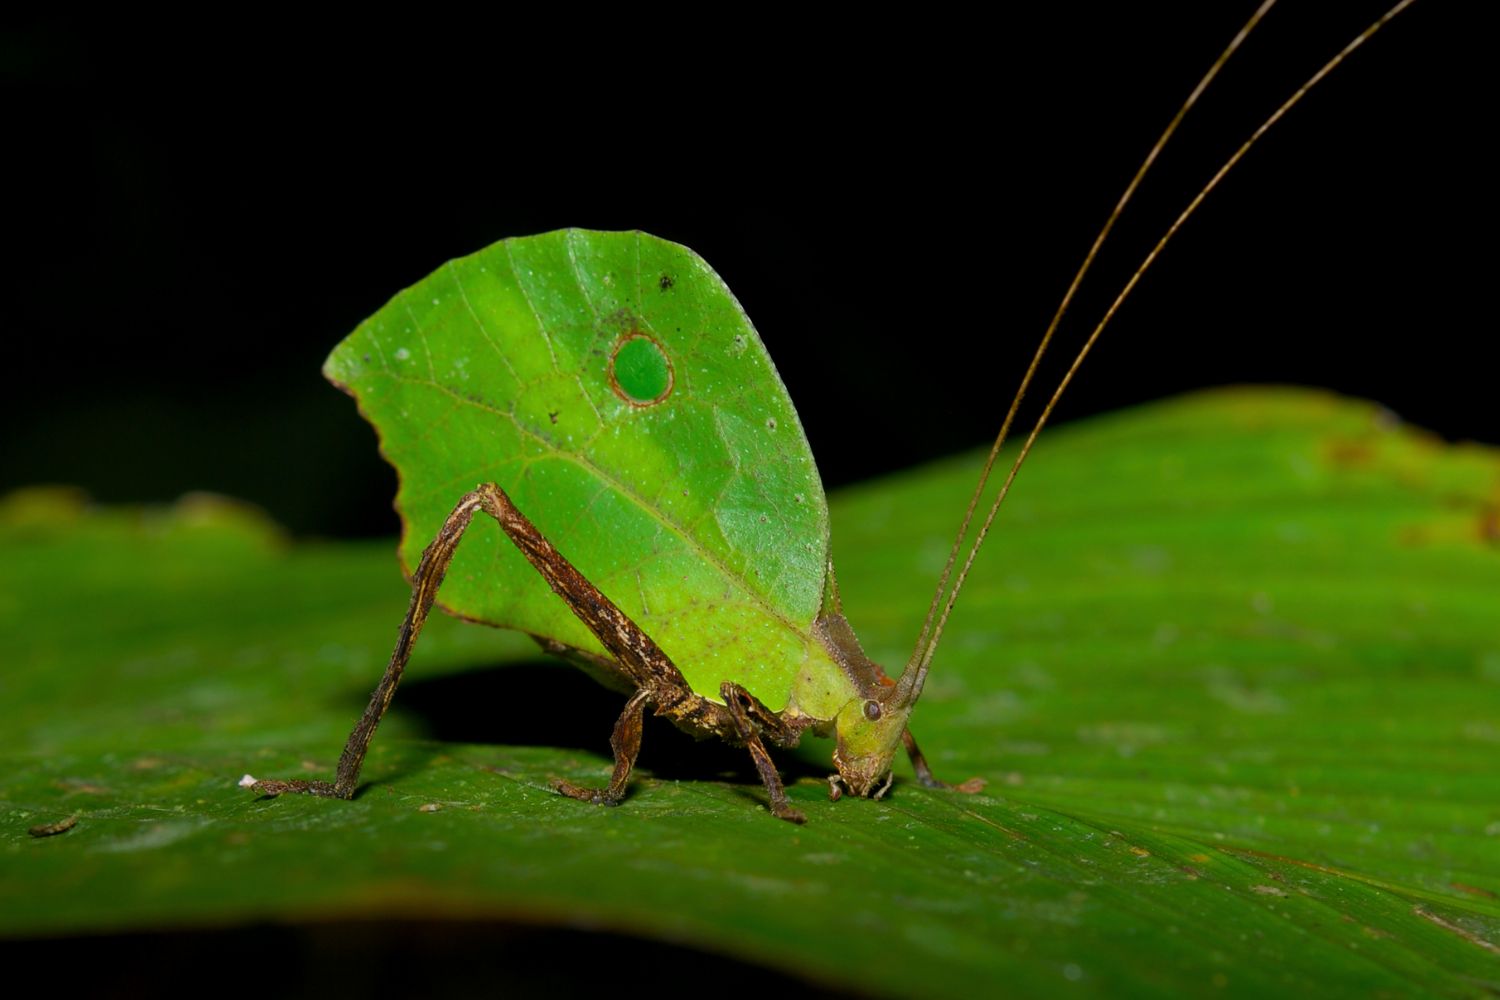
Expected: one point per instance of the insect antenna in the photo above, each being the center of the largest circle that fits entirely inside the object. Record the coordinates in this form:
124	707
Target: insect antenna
1062	308
915	673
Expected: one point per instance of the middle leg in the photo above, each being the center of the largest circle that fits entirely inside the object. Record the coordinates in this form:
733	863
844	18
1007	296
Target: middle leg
625	741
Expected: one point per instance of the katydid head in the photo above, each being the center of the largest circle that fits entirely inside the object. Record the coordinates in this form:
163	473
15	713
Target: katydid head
869	727
867	732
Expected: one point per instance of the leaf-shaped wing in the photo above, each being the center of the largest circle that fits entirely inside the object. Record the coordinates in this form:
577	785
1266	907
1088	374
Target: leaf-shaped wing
614	387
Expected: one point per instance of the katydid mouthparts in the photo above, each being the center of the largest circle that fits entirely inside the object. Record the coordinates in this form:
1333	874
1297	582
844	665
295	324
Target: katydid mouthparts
664	524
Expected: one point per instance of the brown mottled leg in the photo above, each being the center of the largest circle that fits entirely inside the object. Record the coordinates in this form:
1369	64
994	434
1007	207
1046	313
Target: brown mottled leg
637	654
424	586
926	778
742	707
626	743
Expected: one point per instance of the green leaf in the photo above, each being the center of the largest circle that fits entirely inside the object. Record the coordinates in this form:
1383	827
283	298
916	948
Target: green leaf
612	385
1231	667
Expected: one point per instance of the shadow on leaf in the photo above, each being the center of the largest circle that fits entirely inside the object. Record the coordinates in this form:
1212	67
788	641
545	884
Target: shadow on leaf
546	703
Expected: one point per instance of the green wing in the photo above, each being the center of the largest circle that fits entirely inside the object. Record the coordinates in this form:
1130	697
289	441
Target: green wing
612	385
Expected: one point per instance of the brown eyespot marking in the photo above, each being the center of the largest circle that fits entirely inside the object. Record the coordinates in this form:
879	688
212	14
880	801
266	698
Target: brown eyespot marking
639	370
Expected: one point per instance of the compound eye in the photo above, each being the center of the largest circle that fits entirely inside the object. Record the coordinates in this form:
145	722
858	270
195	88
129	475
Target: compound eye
872	710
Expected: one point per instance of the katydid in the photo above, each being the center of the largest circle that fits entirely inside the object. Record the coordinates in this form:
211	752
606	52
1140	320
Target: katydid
663	523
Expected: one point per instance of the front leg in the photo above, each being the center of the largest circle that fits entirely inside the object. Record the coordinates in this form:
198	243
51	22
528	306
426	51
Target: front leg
750	717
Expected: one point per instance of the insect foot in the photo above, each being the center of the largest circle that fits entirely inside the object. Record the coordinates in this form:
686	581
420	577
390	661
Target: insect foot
271	788
596	796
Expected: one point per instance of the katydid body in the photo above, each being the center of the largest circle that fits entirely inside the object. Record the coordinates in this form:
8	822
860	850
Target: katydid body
633	409
856	704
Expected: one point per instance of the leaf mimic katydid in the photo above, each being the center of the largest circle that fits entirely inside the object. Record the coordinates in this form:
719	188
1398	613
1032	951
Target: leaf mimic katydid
675	527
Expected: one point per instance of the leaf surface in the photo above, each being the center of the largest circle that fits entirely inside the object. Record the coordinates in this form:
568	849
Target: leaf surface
1232	668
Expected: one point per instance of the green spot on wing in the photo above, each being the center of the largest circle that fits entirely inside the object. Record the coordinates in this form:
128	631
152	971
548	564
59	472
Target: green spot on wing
641	371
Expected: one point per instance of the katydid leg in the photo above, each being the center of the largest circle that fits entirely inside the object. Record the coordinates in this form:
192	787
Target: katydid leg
625	741
424	587
750	716
926	778
657	679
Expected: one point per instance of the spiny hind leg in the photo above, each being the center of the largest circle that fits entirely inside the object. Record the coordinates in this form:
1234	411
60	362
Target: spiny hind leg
751	719
638	656
926	778
625	741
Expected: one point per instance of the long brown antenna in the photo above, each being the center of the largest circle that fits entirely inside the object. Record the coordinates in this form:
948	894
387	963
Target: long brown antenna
915	674
1062	308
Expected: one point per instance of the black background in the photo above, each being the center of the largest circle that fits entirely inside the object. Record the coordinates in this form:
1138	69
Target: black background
201	211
